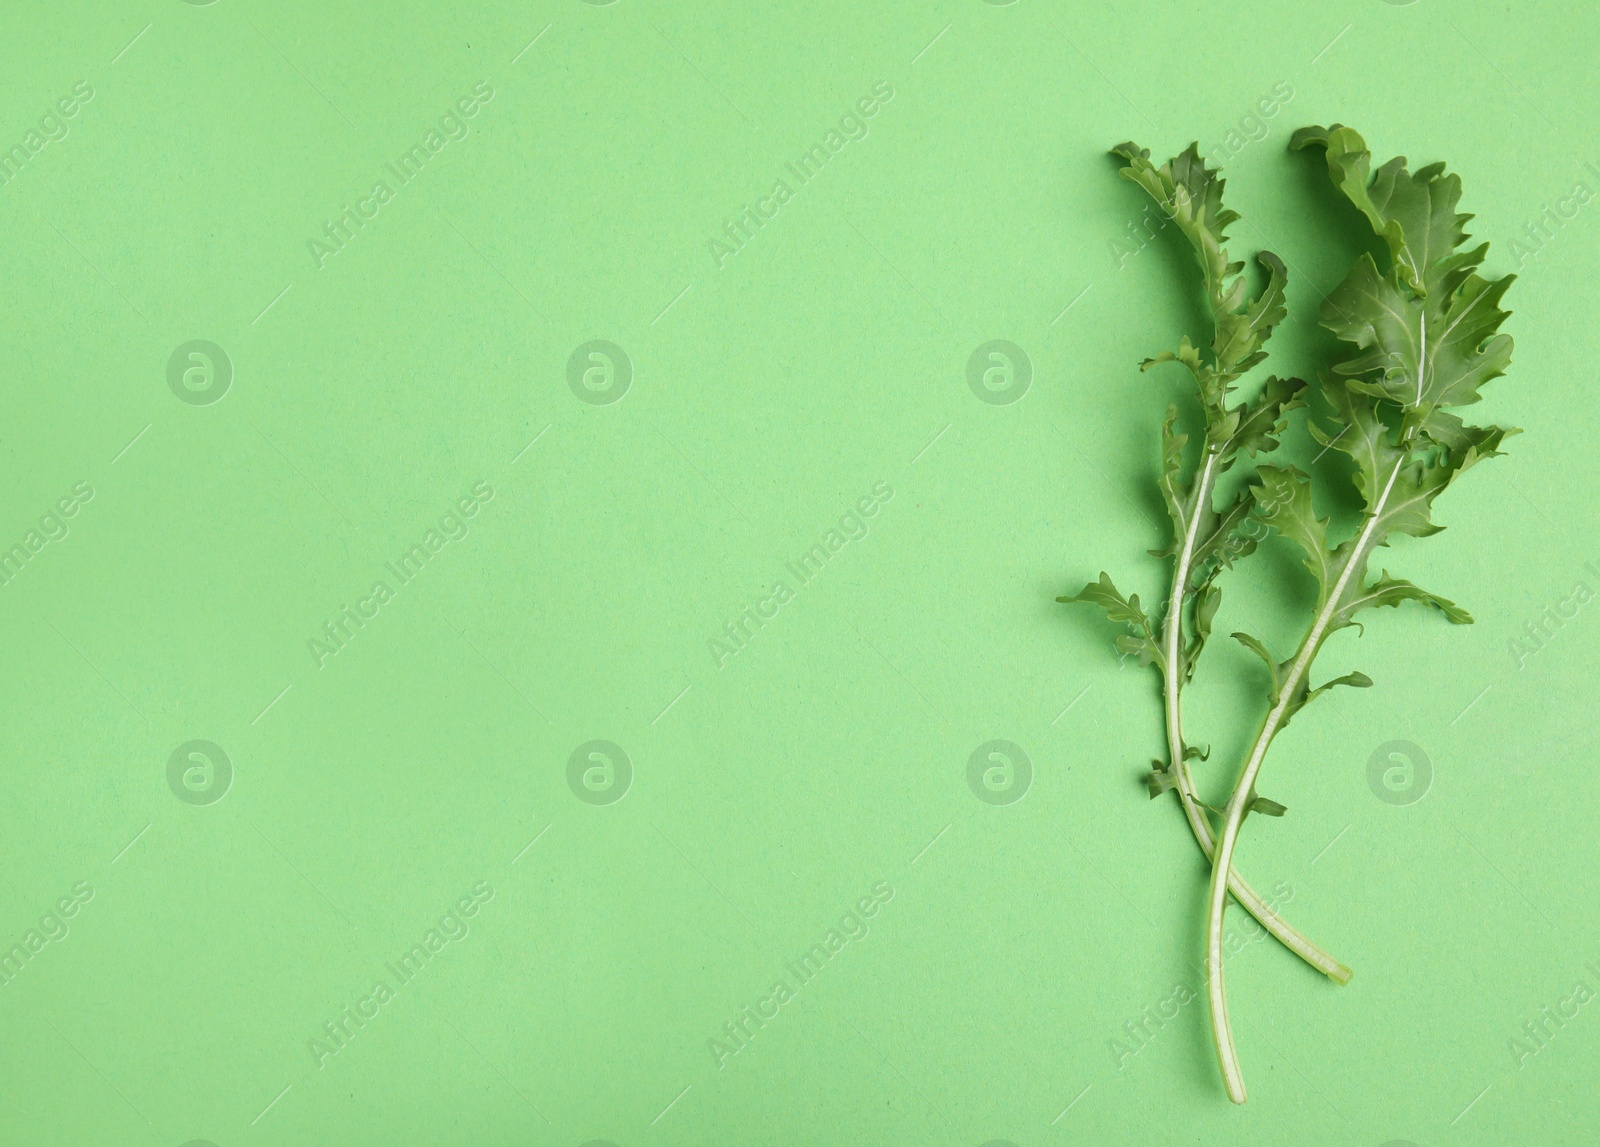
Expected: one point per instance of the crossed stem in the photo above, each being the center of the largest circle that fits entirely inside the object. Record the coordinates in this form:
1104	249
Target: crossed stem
1247	896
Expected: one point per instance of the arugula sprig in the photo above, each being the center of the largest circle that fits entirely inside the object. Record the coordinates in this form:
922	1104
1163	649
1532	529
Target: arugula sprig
1423	337
1205	539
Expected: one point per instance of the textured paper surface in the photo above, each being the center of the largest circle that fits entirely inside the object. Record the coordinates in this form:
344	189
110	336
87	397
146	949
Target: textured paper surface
717	578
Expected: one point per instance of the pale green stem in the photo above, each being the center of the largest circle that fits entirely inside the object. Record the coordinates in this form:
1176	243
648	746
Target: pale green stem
1198	824
1222	861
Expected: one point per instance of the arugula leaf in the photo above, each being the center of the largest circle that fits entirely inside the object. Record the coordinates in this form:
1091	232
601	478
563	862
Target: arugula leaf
1415	215
1304	695
1228	538
1172	489
1426	333
1206	539
1141	637
1206	600
1262	421
1420	337
1191	195
1424	337
1159	779
1274	666
1222	537
1240	334
1421	351
1360	433
1283	502
1392	591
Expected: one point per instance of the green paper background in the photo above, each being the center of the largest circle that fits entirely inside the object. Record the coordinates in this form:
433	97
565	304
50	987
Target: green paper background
1010	943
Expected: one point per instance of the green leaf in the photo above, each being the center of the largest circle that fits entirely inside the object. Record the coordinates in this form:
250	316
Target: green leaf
1263	420
1159	779
1144	648
1205	610
1392	591
1187	354
1191	195
1267	807
1422	478
1304	694
1231	536
1426	469
1426	333
1172	489
1353	680
1240	336
1475	442
1105	594
1361	434
1283	501
1206	601
1419	352
1212	388
1414	214
1409	509
1273	667
1141	638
